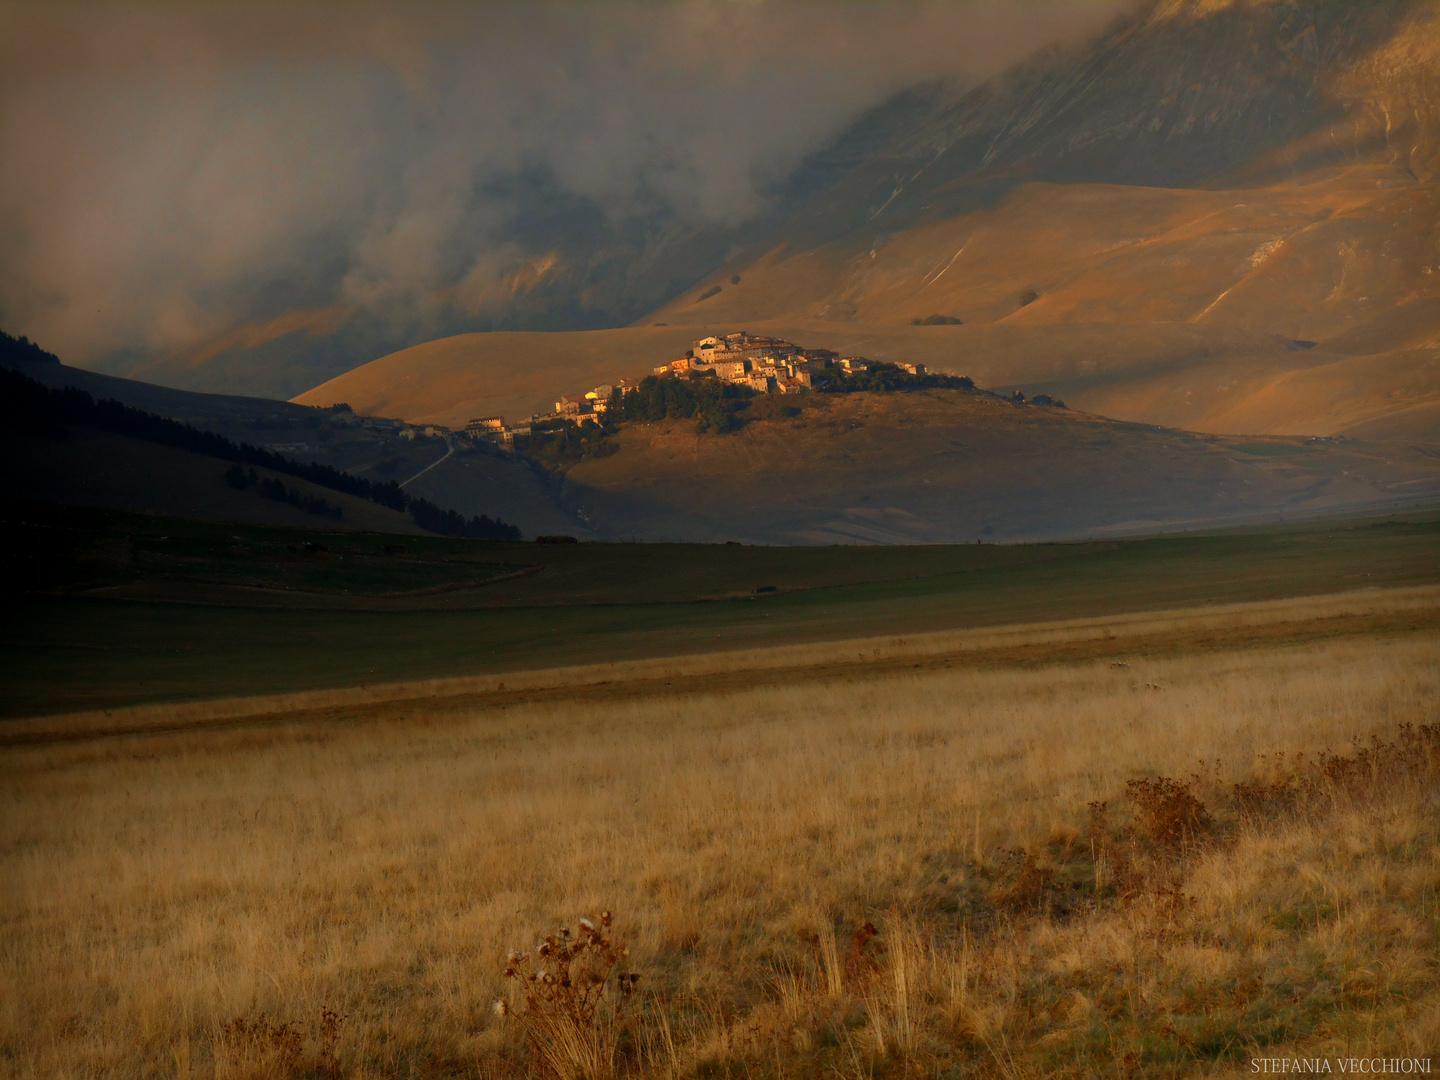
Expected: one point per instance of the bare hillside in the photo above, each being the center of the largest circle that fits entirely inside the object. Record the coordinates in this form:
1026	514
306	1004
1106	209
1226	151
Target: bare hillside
1220	216
945	466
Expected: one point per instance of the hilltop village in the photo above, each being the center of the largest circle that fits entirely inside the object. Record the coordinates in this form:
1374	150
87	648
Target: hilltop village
765	363
759	364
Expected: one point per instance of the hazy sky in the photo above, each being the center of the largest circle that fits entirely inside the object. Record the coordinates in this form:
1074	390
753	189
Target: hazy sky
169	170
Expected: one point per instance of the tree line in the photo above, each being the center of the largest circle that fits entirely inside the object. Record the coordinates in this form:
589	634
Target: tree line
886	378
15	350
449	523
710	402
274	488
69	405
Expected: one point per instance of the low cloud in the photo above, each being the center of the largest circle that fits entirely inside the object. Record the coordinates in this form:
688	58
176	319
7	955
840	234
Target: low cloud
172	171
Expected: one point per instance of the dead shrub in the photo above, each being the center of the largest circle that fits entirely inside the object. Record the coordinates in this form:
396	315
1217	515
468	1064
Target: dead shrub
257	1048
573	1000
1168	814
1168	821
330	1021
1374	769
1257	801
859	964
1172	904
1030	889
1367	772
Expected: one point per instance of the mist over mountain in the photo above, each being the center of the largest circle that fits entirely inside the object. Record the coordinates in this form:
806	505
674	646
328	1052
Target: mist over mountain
1217	215
1222	178
324	183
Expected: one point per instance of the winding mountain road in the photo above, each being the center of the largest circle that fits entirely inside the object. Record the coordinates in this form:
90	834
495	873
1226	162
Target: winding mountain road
449	449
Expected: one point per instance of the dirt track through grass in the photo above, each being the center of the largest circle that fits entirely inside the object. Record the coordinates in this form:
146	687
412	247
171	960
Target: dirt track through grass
134	610
1155	634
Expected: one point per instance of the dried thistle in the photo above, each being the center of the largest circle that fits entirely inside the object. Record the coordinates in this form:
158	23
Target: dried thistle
330	1021
573	1000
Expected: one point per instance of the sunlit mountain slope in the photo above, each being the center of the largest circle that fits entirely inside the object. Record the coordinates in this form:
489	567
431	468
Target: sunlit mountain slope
1219	215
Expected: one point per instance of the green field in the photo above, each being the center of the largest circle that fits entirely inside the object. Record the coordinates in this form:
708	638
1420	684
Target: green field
109	608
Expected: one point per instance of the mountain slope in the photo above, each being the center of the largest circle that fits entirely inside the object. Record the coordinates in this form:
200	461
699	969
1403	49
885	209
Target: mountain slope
567	263
87	467
1308	259
1265	167
944	467
1216	187
1183	94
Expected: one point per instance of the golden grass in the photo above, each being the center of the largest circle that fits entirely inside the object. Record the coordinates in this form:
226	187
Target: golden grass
158	887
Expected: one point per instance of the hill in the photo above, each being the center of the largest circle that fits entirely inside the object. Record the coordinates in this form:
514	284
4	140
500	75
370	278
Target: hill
1221	380
256	420
944	466
1221	216
513	374
63	445
86	467
495	484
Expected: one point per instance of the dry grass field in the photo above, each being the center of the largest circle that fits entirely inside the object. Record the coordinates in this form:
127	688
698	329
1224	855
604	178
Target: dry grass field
336	895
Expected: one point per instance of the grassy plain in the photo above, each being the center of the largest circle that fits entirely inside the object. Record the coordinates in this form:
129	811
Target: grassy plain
380	860
126	608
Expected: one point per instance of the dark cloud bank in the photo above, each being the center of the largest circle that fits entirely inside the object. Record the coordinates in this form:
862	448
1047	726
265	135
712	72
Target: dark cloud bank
172	171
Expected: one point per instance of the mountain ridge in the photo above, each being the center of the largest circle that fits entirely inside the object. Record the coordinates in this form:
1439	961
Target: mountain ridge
1002	207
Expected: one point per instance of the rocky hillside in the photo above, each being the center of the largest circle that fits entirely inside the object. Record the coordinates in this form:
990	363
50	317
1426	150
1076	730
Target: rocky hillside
1191	93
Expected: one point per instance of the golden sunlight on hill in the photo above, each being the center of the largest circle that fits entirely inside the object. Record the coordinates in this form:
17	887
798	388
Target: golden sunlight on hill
1198	309
1298	294
945	466
513	374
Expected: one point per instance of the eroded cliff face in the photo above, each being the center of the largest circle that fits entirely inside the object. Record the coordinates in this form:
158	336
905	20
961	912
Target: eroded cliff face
1193	93
1396	89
